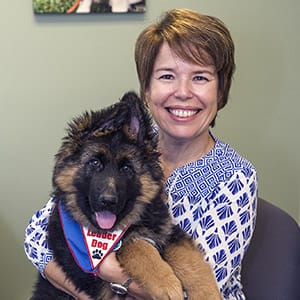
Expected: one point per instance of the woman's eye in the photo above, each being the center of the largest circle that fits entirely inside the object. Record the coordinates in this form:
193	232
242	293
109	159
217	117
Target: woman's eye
200	78
166	76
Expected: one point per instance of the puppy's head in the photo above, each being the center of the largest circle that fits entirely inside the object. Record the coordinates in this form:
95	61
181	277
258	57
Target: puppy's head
107	168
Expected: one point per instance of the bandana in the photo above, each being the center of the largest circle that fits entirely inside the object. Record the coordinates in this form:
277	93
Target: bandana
88	248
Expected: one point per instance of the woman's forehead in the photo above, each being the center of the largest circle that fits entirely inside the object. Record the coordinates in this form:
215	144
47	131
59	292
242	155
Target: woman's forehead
188	54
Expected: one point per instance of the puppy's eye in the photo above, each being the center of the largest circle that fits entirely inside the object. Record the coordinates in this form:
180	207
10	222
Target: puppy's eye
127	170
95	163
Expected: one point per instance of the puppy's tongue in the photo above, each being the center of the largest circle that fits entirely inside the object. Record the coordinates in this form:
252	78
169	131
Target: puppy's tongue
105	219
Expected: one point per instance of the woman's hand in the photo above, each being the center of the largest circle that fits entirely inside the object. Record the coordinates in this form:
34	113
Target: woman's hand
110	270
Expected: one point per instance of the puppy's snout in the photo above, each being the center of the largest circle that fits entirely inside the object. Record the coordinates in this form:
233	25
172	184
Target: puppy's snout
107	200
104	195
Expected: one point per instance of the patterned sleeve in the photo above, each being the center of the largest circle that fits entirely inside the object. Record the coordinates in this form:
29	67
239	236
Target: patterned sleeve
36	237
225	229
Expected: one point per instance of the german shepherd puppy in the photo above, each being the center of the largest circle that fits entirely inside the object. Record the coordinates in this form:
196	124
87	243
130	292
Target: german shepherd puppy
108	183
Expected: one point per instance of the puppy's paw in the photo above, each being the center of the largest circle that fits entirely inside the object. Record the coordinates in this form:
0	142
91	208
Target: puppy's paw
201	292
167	289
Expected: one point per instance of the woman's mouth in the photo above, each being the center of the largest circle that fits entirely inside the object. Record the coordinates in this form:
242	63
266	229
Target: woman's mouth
183	113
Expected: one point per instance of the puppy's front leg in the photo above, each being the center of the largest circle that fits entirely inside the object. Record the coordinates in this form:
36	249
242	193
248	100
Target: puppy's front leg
143	263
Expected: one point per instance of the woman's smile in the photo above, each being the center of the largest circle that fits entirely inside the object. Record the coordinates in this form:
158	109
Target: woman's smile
182	113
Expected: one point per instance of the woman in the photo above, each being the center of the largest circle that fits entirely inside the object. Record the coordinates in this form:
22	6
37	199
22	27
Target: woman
185	64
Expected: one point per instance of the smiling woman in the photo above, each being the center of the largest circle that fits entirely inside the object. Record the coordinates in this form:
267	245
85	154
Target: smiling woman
185	63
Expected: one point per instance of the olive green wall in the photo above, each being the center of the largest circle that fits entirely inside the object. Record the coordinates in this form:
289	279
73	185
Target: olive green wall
54	67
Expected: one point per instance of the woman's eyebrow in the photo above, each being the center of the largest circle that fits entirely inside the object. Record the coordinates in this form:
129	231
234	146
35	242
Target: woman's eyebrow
204	72
194	72
164	69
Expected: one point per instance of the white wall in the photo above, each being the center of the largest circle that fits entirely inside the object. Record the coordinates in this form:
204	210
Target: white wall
54	67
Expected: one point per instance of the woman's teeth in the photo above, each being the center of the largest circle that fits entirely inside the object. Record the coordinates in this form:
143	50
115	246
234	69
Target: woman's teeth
183	113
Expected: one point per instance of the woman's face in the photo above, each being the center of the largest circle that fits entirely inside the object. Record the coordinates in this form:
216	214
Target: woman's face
182	96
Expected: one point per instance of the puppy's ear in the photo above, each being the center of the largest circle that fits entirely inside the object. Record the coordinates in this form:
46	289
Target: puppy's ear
97	123
135	125
140	123
110	119
92	124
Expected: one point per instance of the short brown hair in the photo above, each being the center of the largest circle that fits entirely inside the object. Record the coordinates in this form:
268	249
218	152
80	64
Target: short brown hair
194	37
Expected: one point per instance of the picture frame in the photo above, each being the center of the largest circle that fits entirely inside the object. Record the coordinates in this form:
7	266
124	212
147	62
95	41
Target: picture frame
70	7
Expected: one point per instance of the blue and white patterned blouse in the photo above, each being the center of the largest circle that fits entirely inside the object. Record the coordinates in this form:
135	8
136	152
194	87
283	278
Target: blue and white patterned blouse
213	199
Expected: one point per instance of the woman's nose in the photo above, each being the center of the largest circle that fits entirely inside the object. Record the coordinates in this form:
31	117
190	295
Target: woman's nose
183	89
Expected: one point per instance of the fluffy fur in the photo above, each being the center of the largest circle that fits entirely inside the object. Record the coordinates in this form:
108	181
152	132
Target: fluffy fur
109	162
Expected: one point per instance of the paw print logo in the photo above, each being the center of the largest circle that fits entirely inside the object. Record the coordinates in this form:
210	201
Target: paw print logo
97	254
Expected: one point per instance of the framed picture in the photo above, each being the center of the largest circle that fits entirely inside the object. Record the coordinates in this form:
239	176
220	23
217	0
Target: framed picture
88	6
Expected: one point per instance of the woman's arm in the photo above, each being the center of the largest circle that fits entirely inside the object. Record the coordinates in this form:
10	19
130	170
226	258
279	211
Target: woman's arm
226	228
36	237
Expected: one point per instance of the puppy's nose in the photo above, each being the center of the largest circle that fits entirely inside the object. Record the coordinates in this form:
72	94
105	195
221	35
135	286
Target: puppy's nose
107	200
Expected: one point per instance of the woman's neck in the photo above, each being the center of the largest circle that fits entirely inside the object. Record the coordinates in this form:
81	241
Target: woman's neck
176	153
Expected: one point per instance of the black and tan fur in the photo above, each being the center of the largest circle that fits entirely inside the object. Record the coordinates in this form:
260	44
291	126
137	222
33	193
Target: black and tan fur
109	161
